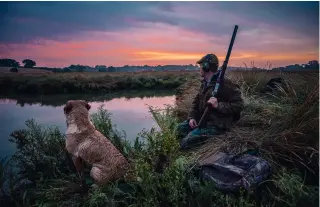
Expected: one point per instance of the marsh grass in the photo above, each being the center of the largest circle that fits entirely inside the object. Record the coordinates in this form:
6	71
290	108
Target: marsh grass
282	125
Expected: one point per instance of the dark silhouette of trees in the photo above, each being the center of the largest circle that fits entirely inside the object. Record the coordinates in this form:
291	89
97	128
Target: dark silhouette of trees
9	63
78	68
101	68
312	64
29	63
111	69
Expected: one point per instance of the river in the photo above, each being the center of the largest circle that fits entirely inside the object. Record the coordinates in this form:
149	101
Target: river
129	112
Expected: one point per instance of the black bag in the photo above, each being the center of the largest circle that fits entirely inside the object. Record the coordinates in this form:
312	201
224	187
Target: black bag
231	172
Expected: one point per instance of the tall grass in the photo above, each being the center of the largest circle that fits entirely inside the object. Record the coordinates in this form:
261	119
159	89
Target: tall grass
283	125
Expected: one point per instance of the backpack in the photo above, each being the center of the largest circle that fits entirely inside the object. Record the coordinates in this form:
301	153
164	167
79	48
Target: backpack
230	172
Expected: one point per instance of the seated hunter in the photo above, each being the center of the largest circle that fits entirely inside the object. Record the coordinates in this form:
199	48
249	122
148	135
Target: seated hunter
224	110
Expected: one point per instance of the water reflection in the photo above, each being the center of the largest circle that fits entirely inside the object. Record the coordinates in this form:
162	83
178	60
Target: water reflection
59	100
129	113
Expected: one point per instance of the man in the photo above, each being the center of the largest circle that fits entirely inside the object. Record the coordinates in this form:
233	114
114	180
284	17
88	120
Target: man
225	109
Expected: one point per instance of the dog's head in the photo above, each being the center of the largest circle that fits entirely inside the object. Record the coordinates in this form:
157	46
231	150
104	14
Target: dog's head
78	106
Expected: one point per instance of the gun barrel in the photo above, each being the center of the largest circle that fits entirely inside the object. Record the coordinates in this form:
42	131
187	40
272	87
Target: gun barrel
231	44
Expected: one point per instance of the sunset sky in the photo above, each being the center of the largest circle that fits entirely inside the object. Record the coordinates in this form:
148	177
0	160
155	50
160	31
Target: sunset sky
57	34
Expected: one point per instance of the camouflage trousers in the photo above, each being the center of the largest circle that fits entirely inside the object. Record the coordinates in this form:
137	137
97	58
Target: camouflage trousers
189	136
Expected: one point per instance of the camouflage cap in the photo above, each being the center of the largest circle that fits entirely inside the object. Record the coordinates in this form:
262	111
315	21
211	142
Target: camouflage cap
210	59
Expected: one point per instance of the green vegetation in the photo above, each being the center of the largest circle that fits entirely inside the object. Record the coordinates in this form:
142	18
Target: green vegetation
89	82
283	125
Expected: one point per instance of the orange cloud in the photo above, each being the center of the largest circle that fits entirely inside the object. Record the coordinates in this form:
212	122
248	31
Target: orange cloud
148	55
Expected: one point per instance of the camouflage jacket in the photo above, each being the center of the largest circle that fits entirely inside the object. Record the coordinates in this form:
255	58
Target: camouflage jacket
230	104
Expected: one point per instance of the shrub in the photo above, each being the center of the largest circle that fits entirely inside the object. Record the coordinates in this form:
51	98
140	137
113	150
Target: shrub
14	70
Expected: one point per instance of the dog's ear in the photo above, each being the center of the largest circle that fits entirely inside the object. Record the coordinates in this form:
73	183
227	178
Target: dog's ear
88	106
67	108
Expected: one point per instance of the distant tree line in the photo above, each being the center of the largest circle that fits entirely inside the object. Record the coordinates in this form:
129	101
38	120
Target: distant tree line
28	63
311	65
6	62
126	68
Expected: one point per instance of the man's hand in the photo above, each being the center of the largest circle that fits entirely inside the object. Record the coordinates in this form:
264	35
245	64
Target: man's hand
214	102
192	123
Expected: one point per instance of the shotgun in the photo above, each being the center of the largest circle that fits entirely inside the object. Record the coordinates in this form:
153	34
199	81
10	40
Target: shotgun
221	75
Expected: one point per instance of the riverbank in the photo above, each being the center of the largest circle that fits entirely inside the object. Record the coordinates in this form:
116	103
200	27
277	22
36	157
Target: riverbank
90	82
283	126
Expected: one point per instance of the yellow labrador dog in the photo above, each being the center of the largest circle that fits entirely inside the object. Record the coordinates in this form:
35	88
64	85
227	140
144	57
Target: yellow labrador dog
86	143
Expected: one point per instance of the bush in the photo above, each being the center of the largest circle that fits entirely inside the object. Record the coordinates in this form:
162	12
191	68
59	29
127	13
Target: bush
14	70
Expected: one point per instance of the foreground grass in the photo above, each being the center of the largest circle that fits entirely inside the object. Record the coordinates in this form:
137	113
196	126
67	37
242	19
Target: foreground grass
282	125
88	82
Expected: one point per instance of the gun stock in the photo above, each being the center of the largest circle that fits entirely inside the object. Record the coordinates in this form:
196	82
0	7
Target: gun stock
221	75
